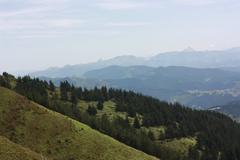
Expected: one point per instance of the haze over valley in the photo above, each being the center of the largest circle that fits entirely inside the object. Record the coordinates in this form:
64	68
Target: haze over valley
119	80
199	79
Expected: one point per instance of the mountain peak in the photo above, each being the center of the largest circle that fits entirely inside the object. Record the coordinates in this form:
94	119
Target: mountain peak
188	49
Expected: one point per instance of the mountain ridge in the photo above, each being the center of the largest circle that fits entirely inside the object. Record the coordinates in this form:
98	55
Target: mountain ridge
190	86
195	59
194	87
166	130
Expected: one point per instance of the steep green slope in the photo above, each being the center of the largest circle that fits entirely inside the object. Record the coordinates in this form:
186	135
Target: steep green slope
12	151
169	131
56	136
171	148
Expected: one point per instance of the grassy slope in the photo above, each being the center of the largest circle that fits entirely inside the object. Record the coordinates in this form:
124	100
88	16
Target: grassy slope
108	109
55	135
12	151
175	147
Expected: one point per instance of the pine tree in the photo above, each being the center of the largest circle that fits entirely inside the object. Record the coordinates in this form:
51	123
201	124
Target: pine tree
151	135
74	98
64	95
91	110
51	86
100	105
127	119
64	88
136	123
5	80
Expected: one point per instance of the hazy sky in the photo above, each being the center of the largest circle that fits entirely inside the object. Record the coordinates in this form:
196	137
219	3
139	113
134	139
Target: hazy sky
37	34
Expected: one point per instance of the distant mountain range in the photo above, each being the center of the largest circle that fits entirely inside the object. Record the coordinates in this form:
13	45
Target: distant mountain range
232	109
168	131
229	58
199	79
193	87
198	88
79	70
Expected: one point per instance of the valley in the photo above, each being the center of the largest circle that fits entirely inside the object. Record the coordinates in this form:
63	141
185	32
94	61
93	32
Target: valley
158	128
119	80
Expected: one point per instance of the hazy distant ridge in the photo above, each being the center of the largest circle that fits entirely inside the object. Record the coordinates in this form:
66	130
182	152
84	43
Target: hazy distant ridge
229	58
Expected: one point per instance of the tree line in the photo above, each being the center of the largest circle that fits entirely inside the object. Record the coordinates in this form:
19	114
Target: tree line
217	135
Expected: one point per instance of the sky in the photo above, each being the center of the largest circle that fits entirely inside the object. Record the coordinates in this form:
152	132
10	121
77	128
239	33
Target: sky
37	34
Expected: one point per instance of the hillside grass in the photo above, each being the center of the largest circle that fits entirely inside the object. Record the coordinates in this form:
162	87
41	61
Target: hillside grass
177	148
108	109
12	151
56	136
158	131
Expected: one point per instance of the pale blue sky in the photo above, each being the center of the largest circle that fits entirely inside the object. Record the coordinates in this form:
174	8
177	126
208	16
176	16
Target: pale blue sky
37	34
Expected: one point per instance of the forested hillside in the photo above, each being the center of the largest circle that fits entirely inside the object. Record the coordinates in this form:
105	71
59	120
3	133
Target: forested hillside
194	87
28	131
232	109
169	131
197	88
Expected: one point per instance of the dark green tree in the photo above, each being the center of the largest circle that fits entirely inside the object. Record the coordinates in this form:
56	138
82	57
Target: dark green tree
5	80
100	105
74	97
51	86
151	135
136	123
127	119
34	89
91	110
65	87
